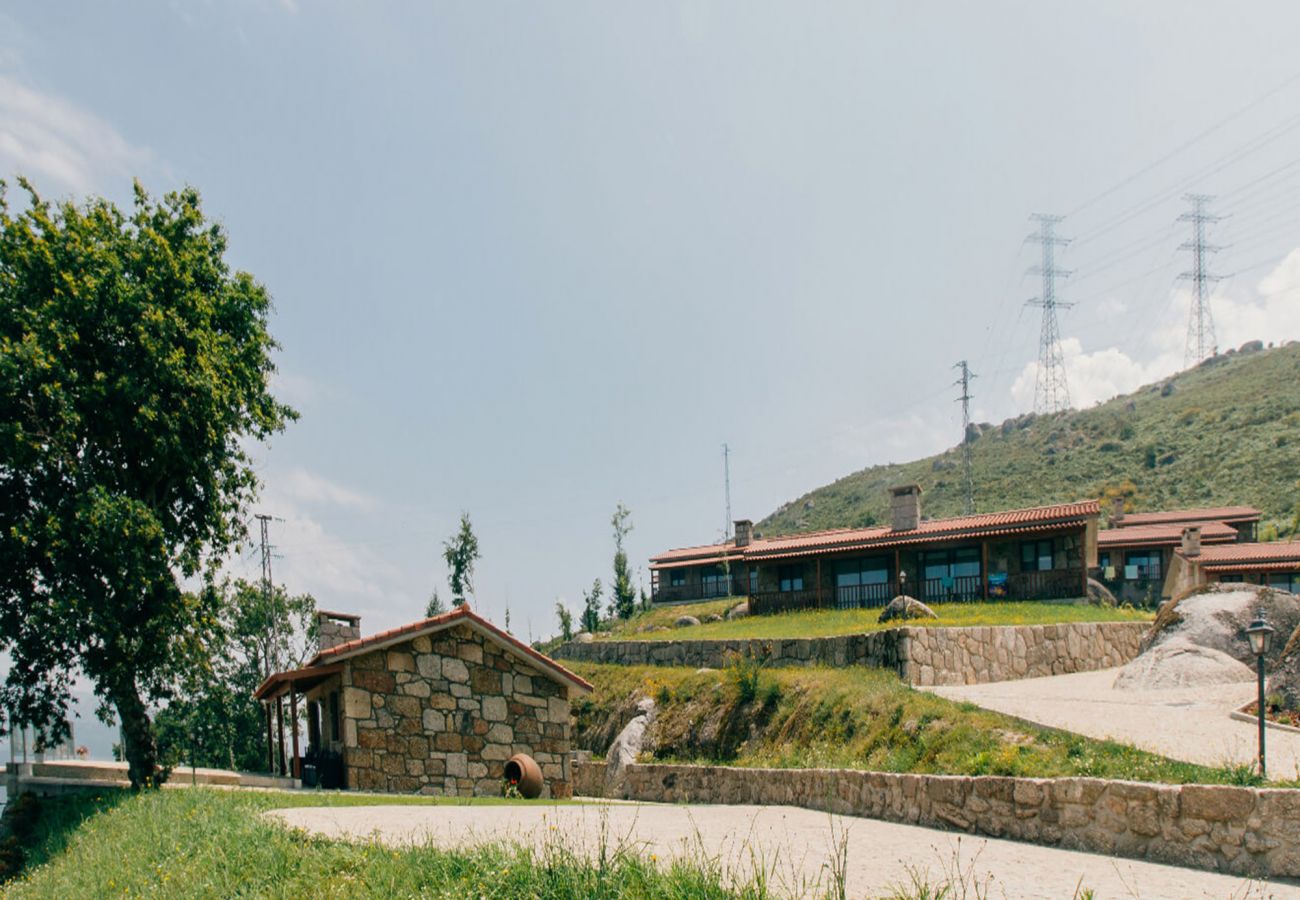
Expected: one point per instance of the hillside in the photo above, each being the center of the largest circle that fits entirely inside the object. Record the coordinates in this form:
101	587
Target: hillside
1222	433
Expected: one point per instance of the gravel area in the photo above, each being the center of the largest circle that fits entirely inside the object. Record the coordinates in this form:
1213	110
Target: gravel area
1191	724
795	846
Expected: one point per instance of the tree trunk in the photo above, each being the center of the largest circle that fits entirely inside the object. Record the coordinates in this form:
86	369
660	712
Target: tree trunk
139	749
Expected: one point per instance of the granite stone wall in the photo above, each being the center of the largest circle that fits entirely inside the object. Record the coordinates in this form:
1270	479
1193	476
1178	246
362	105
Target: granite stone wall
921	656
1240	830
442	714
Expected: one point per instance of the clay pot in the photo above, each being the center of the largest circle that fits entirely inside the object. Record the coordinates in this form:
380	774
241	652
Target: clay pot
523	770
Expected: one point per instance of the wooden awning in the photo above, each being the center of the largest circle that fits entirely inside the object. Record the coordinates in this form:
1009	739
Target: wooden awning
295	681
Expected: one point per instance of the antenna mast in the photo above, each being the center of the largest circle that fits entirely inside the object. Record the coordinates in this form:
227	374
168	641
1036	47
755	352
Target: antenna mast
1051	393
967	478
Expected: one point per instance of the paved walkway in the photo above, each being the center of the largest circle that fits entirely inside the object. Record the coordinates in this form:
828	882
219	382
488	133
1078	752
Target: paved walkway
1190	724
794	846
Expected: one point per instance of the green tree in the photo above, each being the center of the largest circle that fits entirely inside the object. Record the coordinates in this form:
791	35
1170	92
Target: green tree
623	599
566	620
591	607
461	552
212	718
435	606
134	370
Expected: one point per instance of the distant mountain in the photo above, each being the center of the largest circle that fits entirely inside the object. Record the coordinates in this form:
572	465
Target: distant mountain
1226	432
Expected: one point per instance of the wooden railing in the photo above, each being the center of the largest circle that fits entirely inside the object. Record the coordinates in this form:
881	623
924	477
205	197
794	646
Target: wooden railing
1054	584
862	596
962	589
766	602
688	593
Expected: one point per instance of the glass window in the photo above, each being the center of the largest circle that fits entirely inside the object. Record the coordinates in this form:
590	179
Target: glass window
677	578
753	581
714	582
1285	581
966	562
1142	565
862	582
1036	556
791	578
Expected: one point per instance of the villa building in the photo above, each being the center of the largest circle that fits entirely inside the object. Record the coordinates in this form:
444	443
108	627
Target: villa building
1039	553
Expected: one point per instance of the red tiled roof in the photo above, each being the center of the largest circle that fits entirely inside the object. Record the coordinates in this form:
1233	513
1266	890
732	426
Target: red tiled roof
698	556
1141	535
1241	554
1292	565
440	623
1171	516
1016	521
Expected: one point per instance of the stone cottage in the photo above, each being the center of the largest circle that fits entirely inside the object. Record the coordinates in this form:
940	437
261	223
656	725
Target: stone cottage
434	707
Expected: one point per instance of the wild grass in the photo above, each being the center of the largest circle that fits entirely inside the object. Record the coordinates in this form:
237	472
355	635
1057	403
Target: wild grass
852	718
833	622
201	842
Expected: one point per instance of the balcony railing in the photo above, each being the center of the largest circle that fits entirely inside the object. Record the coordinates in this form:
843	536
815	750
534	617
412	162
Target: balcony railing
688	593
765	602
865	596
1054	584
961	589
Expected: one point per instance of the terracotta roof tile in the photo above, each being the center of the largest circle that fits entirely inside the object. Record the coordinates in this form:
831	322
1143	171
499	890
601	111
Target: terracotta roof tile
1209	513
439	623
1270	551
1139	535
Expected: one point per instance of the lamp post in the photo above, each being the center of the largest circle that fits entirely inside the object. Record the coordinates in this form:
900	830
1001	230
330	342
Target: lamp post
1260	635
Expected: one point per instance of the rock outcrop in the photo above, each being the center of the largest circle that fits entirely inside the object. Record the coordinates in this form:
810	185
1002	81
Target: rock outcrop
905	607
685	622
628	745
1176	664
1099	594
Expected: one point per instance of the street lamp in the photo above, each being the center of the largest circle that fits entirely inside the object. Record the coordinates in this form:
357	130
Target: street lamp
1260	635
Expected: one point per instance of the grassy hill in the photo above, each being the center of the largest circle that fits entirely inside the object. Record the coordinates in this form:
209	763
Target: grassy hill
1226	432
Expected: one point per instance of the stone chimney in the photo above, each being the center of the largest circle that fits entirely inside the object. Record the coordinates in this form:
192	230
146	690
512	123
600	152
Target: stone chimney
334	628
744	532
905	507
1192	540
1116	511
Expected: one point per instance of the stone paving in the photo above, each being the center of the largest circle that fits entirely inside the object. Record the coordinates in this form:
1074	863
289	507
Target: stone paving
1191	724
796	847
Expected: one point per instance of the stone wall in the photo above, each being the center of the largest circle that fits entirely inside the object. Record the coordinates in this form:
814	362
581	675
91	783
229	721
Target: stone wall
921	656
1240	830
442	714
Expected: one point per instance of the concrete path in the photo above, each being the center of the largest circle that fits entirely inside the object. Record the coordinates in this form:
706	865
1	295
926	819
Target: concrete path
796	847
1190	724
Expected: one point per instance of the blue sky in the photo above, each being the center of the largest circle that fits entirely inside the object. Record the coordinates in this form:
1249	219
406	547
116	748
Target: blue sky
531	260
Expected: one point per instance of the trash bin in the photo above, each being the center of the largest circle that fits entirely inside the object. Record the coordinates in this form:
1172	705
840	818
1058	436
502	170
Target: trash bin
309	776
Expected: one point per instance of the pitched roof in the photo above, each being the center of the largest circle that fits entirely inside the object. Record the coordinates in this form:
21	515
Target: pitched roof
696	556
1240	514
1274	555
460	615
1163	535
1017	521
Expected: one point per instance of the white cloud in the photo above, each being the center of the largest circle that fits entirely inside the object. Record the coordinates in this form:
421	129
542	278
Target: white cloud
1267	311
302	487
54	142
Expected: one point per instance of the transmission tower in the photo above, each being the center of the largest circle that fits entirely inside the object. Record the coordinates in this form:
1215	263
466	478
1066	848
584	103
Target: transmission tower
967	478
726	481
1051	393
1201	343
271	640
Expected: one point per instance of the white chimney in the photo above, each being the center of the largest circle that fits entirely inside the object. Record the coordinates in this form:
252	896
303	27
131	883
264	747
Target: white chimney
905	507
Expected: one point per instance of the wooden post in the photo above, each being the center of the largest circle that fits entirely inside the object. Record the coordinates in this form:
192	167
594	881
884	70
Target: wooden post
898	570
293	725
270	740
984	567
819	582
279	715
1083	559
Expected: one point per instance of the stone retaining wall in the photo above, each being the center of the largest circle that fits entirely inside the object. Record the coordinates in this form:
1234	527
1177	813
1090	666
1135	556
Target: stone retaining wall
921	656
1240	830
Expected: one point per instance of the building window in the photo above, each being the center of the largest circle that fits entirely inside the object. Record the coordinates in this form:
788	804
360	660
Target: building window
951	574
1142	565
677	578
714	582
1286	581
335	729
790	578
753	581
1036	556
862	582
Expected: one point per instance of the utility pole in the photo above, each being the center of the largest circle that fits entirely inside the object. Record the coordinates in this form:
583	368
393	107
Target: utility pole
726	481
1201	343
1051	393
967	478
270	640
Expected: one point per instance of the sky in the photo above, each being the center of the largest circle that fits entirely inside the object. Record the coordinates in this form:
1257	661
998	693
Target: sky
530	261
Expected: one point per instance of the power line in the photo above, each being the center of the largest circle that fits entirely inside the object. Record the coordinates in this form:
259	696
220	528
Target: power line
1051	392
967	478
1201	343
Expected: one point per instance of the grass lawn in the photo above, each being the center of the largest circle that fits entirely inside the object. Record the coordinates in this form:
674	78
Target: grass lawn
204	842
832	622
854	718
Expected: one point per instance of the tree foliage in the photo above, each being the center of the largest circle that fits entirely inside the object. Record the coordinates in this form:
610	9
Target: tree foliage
623	593
212	718
461	552
566	620
134	368
591	607
435	606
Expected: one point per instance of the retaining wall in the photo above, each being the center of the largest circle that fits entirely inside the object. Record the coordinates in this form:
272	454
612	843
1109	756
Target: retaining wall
921	656
1244	831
